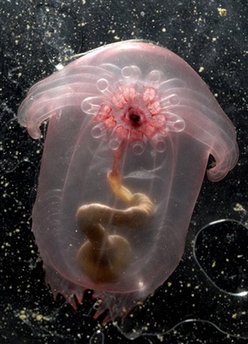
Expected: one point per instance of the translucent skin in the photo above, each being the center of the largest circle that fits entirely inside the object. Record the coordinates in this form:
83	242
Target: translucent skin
144	98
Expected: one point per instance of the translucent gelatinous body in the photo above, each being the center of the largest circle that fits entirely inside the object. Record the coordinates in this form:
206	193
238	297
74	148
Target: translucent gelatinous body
131	128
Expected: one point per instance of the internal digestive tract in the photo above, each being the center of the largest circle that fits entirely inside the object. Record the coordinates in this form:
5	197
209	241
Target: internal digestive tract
104	257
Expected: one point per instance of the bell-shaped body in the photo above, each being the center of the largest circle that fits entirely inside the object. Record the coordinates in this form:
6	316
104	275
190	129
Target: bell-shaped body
131	128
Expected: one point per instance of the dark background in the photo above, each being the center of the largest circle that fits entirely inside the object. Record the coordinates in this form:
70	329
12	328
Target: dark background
205	300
